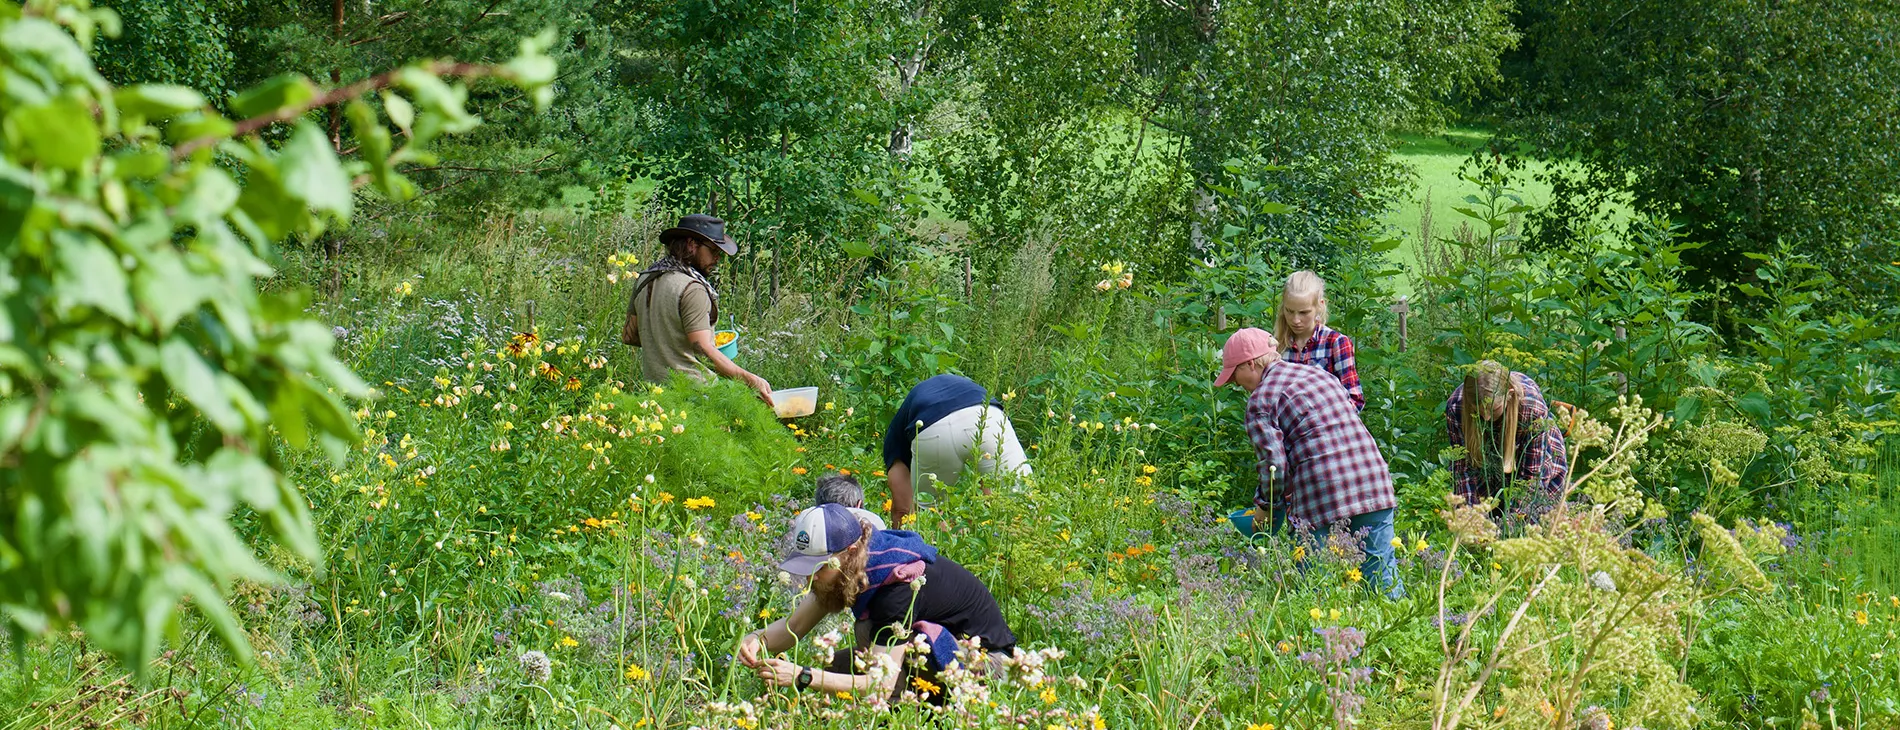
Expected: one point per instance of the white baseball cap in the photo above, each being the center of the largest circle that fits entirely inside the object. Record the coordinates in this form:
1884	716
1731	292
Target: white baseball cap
818	534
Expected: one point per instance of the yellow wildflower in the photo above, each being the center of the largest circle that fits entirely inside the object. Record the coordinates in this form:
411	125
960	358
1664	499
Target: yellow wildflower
696	503
1048	696
569	642
1860	617
635	673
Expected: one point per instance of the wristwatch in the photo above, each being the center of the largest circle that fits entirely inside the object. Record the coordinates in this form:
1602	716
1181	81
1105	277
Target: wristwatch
804	678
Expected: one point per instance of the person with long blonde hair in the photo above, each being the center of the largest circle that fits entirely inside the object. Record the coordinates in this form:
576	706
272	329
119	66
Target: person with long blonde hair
1300	326
1500	417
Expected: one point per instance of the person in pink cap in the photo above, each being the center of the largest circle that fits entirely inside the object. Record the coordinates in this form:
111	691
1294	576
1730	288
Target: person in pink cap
1319	466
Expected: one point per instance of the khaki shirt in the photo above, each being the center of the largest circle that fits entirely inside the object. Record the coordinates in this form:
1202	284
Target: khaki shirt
668	310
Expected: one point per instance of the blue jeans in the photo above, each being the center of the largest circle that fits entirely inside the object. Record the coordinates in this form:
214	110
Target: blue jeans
1378	530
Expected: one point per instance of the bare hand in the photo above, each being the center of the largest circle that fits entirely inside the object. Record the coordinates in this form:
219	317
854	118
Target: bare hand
778	672
750	649
764	388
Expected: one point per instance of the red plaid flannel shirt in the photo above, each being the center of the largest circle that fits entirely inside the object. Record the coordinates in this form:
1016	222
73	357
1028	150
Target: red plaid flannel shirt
1541	458
1317	460
1331	351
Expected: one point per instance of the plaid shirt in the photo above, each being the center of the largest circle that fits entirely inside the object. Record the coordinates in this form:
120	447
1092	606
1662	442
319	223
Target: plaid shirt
1540	445
1331	351
1317	460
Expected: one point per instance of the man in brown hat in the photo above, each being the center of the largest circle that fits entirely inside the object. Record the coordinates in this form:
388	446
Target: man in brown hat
674	307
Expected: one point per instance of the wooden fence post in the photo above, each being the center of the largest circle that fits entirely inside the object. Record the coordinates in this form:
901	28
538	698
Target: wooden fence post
1403	310
969	283
530	327
1622	379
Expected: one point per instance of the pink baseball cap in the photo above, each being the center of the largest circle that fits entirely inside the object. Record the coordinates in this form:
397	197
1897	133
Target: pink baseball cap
1242	346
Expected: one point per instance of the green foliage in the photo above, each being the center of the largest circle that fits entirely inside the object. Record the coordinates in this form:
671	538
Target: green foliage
172	42
1736	119
729	446
146	382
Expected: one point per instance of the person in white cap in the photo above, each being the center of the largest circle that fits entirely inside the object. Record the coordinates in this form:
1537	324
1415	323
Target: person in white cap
895	585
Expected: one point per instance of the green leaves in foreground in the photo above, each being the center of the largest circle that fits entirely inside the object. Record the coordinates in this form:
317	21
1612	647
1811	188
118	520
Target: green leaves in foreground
144	378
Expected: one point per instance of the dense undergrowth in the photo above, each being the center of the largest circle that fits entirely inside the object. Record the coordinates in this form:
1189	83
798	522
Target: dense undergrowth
529	537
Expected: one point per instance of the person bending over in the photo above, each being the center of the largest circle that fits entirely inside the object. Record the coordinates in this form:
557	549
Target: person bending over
944	423
1318	464
1501	418
843	489
893	583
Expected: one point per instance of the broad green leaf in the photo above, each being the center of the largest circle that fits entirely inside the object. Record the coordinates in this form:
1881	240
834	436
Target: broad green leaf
60	133
400	111
278	92
1272	208
855	249
90	274
197	382
1755	404
867	197
16	198
157	101
286	411
311	171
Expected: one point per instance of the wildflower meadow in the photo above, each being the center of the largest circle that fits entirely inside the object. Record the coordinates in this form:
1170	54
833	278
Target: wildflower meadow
301	432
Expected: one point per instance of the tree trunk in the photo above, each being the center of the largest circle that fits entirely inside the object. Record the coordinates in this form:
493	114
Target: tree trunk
1203	247
336	78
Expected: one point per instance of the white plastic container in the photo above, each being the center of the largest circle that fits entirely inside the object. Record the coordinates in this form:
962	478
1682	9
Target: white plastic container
795	402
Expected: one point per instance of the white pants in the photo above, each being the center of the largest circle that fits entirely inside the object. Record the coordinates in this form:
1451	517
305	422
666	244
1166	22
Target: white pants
979	435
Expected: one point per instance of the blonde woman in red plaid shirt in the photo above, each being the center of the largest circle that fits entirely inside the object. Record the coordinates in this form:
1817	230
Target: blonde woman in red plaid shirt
1518	442
1319	466
1300	326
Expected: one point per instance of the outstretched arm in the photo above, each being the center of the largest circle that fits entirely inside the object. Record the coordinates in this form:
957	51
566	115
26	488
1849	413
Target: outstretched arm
703	340
903	498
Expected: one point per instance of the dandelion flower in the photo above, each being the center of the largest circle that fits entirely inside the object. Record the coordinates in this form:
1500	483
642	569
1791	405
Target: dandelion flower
698	503
1860	617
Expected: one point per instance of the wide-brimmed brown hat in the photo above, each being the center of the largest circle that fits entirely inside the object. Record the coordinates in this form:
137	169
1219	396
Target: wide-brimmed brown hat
705	228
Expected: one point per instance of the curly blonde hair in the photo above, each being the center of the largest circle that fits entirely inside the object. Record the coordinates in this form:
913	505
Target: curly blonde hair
851	563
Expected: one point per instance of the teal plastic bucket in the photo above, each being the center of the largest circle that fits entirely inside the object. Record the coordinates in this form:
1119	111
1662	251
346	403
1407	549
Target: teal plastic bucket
1243	520
730	349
